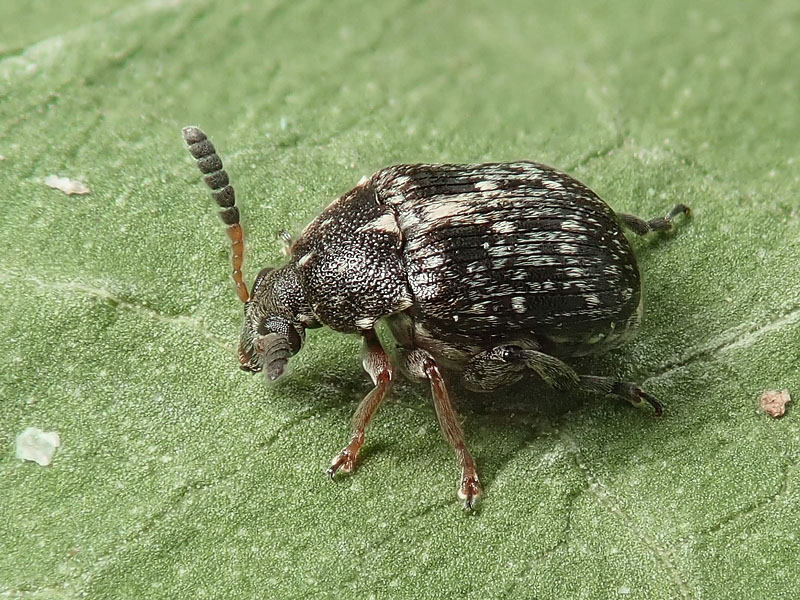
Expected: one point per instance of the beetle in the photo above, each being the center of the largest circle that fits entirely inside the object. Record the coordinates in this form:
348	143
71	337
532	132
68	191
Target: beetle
485	272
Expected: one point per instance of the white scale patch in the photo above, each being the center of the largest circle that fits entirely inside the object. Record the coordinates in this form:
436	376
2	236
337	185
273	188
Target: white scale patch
386	223
570	225
450	208
574	272
548	286
552	185
326	222
592	300
409	221
365	323
305	319
433	262
505	227
485	186
568	249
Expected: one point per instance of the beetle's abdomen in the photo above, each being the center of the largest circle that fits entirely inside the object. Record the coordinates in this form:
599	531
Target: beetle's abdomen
498	251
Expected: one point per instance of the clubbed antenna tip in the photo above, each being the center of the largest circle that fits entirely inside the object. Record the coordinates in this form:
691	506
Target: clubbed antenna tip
216	178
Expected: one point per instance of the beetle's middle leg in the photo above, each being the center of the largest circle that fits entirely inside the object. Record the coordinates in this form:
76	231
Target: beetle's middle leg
641	227
506	364
377	365
420	364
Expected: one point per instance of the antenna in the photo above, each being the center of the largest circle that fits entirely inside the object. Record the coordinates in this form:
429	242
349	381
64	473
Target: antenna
216	178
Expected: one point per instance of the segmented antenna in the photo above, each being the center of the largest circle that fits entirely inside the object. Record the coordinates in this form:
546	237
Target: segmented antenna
216	178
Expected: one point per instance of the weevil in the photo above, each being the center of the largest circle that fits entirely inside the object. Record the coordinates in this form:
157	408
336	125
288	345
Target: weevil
487	273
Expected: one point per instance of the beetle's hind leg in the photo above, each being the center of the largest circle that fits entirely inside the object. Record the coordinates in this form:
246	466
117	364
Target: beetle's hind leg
421	365
506	364
641	227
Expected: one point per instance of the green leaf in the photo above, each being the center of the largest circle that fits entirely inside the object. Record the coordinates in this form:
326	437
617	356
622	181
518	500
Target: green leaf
178	476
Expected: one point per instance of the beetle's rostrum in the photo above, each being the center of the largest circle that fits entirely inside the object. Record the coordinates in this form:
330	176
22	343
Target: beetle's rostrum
485	273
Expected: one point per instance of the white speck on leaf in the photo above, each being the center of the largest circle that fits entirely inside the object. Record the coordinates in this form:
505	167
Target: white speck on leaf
36	445
773	402
66	185
624	590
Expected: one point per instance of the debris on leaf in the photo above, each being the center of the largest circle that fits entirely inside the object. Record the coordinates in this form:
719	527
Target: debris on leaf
36	445
66	185
773	402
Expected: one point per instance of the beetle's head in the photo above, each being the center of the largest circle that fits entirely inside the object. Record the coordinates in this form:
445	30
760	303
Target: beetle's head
276	314
275	322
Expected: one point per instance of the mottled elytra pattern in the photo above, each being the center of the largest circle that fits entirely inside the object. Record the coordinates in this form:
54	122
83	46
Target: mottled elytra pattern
497	251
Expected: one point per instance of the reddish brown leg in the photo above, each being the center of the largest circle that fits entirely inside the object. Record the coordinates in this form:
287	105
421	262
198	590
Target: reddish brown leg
377	364
421	363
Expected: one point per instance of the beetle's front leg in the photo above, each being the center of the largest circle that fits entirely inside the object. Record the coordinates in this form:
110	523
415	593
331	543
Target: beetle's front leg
420	364
376	364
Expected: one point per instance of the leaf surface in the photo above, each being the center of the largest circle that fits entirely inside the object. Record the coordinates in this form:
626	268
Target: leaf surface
180	476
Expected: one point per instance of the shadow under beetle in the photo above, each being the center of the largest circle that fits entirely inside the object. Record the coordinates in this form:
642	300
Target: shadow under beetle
488	272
